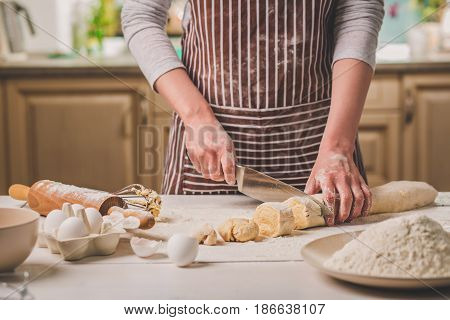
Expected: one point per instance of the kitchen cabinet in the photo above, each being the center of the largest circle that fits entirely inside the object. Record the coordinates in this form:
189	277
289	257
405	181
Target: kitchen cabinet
153	141
78	131
380	130
3	145
427	131
379	138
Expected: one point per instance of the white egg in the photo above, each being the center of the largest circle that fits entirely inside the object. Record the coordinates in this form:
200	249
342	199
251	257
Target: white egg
131	223
71	228
144	247
95	219
117	216
53	221
182	249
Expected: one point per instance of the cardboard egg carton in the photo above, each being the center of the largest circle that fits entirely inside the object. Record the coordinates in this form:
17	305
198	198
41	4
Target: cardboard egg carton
93	244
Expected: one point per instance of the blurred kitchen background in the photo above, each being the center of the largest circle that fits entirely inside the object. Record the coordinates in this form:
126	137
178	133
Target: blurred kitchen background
88	117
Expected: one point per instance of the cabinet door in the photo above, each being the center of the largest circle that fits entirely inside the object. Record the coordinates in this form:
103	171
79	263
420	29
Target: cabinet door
77	131
427	146
379	137
3	145
154	142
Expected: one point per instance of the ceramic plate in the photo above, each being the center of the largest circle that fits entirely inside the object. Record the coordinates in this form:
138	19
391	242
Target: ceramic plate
318	251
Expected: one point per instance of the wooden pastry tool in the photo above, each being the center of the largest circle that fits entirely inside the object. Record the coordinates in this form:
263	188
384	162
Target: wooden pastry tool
45	196
19	192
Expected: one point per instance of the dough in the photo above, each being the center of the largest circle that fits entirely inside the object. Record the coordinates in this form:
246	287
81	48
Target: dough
238	230
307	213
398	196
274	219
206	235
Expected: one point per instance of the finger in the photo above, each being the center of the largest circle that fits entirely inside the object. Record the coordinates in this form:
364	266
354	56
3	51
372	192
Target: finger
228	166
329	197
367	198
204	165
312	187
215	171
358	200
346	199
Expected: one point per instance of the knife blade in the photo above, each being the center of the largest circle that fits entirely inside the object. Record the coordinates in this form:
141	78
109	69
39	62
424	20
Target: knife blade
264	188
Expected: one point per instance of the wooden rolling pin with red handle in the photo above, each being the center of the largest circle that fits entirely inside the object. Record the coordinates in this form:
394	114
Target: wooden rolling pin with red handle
45	196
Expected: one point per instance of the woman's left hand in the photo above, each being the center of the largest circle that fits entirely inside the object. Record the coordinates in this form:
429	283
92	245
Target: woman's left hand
345	191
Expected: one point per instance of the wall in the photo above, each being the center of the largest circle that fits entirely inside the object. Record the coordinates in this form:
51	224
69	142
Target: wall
53	17
399	16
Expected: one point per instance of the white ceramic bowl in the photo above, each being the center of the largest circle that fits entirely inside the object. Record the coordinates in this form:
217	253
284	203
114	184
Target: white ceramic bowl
18	234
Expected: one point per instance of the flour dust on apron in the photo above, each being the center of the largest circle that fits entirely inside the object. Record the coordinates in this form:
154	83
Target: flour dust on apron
265	69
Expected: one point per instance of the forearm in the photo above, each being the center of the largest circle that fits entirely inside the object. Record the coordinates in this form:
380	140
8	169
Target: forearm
351	80
209	147
184	97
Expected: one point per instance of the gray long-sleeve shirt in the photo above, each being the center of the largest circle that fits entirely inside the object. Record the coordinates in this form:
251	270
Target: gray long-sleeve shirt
356	27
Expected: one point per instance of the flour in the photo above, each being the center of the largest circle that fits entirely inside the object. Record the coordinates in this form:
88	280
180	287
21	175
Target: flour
410	246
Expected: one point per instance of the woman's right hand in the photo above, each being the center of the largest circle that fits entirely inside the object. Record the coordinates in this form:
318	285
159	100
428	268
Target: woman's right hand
210	149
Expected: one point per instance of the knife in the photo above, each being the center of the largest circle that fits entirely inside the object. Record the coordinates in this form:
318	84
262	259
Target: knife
264	188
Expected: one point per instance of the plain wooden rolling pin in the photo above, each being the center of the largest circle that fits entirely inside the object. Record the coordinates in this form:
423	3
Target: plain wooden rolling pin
45	196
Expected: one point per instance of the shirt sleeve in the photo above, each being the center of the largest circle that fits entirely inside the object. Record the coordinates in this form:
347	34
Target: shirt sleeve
356	27
143	24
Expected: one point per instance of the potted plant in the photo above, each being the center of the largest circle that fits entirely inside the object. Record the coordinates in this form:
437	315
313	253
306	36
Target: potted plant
430	10
104	25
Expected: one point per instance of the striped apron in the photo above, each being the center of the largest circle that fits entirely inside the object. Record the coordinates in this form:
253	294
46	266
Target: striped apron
265	69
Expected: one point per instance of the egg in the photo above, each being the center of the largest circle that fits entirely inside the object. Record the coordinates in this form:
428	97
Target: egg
71	228
182	249
116	216
131	223
95	219
144	247
53	221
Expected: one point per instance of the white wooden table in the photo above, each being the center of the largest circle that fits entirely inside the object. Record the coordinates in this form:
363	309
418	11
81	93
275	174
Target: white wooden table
133	279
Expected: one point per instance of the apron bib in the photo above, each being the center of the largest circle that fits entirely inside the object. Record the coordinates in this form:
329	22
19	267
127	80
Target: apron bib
265	69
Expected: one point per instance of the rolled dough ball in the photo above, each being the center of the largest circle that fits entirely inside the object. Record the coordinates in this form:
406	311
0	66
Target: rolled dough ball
398	196
274	219
238	230
206	235
307	213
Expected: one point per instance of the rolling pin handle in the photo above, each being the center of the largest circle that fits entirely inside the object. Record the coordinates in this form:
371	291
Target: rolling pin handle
19	192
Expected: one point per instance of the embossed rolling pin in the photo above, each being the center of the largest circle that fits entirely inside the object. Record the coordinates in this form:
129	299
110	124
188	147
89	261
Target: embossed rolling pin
45	196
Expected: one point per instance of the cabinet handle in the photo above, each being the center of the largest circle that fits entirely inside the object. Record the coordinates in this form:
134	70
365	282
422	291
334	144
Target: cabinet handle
145	111
409	106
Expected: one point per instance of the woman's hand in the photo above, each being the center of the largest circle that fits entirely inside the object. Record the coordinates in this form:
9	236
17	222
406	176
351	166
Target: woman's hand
345	191
210	149
335	173
208	145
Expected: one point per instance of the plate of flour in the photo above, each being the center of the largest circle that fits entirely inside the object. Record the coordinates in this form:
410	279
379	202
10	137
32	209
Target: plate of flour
405	252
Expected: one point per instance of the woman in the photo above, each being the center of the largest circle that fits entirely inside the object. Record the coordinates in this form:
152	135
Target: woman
276	85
